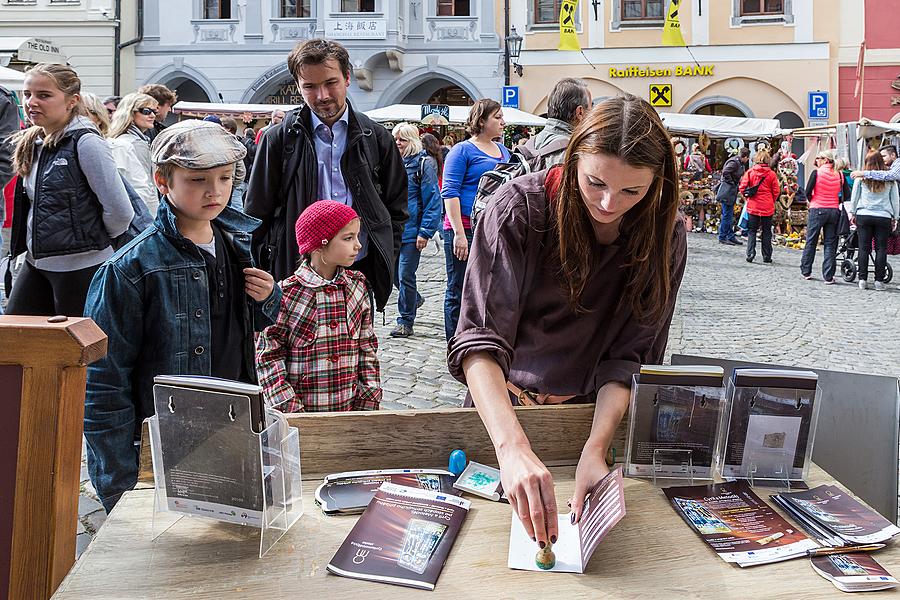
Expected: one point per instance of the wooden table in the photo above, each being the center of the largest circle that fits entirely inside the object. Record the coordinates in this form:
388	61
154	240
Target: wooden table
651	554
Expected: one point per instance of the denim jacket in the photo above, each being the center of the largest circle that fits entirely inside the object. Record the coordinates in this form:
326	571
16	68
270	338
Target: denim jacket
152	301
424	198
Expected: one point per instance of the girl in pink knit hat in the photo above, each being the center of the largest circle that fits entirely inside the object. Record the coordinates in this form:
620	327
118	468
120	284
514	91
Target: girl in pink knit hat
321	353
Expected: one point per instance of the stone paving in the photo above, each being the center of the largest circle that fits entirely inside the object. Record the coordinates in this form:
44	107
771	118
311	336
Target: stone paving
726	308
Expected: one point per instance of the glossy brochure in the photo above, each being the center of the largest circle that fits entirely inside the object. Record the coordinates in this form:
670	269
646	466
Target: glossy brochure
858	572
737	524
350	492
403	537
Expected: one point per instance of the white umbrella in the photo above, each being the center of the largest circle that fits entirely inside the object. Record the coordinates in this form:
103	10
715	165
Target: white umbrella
458	114
11	79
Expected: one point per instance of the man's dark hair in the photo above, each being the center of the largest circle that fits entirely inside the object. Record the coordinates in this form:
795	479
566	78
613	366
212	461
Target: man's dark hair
230	124
890	148
160	93
114	100
567	95
744	153
316	52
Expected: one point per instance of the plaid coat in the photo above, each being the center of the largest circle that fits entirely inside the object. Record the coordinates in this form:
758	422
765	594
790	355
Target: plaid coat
320	354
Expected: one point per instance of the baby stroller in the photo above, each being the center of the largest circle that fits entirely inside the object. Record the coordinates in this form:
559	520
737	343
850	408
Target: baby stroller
847	254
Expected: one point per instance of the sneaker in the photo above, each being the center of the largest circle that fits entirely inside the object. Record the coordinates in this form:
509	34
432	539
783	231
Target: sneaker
767	260
749	259
402	330
879	286
736	242
863	285
807	277
830	282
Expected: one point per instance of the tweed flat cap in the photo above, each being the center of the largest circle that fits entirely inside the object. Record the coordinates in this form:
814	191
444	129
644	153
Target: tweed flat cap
196	145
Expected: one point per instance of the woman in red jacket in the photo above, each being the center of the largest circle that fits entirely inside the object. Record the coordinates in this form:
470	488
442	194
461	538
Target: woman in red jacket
760	187
826	189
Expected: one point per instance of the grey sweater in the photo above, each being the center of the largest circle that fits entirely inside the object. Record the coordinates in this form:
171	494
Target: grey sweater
99	169
885	203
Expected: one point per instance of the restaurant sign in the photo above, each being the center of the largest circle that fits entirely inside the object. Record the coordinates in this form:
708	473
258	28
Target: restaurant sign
679	71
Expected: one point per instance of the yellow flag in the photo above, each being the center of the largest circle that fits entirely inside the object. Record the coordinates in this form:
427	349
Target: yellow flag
568	40
672	29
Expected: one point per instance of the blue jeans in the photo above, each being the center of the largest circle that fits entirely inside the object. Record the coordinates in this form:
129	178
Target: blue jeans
824	221
409	297
237	196
456	271
726	224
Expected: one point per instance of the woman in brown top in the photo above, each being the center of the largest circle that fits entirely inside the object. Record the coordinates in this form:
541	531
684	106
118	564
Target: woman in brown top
571	286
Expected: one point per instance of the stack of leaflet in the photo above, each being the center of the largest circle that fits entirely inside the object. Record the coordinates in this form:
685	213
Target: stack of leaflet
834	518
853	572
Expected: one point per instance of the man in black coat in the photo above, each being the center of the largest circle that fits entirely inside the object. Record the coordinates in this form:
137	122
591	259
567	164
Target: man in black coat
727	193
326	150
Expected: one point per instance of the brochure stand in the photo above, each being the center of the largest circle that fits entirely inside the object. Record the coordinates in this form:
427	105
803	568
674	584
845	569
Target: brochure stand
768	426
208	462
673	420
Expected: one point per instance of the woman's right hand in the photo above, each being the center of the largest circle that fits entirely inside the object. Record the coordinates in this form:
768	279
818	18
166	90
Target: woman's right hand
853	219
460	246
529	487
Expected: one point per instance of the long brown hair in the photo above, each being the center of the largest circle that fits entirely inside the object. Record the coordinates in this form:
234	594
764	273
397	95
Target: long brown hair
629	128
875	162
66	79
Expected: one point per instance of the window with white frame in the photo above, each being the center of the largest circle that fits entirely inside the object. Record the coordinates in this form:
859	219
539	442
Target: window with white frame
295	9
357	6
638	13
454	8
761	12
544	14
216	9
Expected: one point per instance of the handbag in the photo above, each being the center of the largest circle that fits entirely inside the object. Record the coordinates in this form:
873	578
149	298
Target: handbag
745	218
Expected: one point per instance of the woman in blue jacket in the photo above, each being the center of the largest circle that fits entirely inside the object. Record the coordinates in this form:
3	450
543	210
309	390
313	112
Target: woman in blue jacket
424	217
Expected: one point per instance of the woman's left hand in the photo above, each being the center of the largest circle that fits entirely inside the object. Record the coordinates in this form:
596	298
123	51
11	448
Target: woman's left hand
591	468
258	284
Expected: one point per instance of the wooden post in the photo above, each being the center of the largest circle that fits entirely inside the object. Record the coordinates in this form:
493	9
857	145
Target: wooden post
42	385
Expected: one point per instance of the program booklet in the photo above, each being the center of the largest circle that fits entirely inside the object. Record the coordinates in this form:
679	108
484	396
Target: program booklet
351	491
771	423
603	508
738	524
674	421
403	537
839	515
857	572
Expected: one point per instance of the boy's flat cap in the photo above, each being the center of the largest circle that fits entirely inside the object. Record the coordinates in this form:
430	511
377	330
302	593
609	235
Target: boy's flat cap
196	145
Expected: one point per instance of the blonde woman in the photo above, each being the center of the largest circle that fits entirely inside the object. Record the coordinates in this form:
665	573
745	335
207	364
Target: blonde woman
96	112
424	205
135	115
69	204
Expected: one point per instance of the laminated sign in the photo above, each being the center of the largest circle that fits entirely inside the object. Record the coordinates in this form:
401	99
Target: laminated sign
568	40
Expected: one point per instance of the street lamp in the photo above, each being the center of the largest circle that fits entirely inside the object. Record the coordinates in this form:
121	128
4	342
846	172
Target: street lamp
514	49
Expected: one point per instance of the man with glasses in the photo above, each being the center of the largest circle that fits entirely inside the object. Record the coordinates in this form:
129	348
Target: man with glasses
111	103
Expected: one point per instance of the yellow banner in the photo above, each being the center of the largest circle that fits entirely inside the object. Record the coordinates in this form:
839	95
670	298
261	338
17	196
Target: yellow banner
672	29
568	39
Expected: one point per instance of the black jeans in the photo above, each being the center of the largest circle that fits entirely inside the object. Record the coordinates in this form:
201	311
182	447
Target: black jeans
867	228
824	221
49	293
755	223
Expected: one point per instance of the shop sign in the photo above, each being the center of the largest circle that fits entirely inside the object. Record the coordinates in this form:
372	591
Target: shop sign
287	95
679	71
36	50
435	114
661	94
356	29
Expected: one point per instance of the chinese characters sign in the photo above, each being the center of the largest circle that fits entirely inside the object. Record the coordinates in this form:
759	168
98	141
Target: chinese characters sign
356	29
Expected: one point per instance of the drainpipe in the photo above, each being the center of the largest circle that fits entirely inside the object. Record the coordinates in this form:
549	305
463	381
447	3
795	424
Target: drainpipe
503	41
117	59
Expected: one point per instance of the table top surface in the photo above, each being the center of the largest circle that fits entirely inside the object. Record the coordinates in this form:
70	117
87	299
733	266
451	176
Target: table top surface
650	553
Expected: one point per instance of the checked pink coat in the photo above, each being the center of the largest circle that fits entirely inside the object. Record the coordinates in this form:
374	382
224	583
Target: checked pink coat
320	354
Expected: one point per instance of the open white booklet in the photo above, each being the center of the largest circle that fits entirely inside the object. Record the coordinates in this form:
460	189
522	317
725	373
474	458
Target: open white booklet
604	507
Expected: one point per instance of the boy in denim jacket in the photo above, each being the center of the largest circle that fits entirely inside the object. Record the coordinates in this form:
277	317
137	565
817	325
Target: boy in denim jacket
182	298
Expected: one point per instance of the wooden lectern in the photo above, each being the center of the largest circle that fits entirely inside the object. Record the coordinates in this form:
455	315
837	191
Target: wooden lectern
42	380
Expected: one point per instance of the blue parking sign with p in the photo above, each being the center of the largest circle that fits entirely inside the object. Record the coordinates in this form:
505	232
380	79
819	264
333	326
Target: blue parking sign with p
510	96
818	105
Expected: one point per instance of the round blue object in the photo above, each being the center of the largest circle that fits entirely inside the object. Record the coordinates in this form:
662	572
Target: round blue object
457	462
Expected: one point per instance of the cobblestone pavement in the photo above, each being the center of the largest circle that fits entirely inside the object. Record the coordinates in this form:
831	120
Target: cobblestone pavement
726	308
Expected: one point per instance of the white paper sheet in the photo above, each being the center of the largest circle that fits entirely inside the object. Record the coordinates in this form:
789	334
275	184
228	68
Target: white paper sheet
567	548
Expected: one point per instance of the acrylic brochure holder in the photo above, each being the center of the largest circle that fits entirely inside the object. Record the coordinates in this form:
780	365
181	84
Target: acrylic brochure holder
673	420
209	462
769	425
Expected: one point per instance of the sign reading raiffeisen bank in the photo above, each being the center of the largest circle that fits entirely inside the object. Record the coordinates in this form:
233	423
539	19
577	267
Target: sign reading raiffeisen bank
679	71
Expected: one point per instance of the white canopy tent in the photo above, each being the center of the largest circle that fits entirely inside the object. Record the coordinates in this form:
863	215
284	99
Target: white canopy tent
11	79
720	127
458	114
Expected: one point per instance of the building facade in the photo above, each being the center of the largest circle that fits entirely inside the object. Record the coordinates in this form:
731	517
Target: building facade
81	33
402	51
752	58
878	23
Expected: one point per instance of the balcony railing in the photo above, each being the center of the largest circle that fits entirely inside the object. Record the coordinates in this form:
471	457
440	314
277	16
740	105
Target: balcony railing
293	30
450	29
216	31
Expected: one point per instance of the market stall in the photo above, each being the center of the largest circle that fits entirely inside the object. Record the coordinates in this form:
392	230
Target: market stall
720	137
458	114
247	113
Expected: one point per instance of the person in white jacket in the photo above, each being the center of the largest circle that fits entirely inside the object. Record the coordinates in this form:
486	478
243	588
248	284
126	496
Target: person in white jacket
135	115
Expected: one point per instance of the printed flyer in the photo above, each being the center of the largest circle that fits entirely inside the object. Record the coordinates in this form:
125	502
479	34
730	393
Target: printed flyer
737	524
858	572
350	492
840	514
403	537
